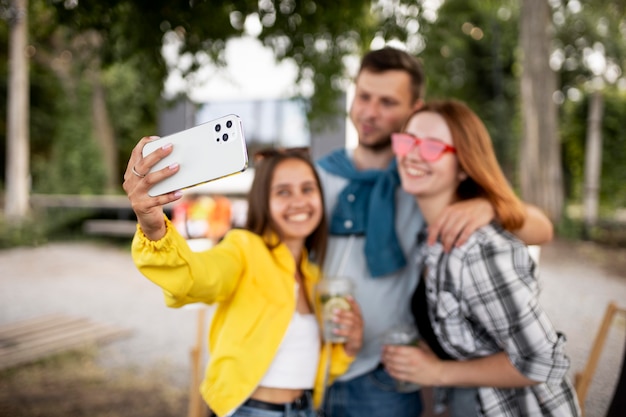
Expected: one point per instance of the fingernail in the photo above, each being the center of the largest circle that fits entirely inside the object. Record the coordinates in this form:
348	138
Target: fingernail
178	194
155	137
166	146
173	166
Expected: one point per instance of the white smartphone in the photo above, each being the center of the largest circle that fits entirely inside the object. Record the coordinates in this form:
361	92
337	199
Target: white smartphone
206	152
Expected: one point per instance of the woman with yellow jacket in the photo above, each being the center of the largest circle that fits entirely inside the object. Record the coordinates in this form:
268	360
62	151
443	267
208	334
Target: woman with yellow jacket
266	354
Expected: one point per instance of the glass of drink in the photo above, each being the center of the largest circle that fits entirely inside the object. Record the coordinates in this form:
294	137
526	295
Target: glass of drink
331	293
403	335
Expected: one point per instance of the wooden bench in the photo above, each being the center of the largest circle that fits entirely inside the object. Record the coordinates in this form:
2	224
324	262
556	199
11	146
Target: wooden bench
116	228
583	379
34	339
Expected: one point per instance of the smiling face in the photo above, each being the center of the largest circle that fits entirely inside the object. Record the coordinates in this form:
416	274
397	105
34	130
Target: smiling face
382	103
436	180
295	201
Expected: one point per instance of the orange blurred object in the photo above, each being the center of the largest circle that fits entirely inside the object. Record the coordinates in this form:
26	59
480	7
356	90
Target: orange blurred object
202	216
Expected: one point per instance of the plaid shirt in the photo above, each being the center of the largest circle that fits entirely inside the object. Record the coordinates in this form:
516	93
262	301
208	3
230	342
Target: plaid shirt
482	299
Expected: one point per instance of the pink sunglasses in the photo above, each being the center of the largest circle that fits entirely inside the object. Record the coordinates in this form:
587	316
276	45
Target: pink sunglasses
430	150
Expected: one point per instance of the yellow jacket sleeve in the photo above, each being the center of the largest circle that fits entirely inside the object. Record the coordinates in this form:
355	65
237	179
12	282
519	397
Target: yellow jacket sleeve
186	276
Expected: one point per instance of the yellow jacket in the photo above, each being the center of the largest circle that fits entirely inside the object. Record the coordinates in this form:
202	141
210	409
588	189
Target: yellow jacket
256	294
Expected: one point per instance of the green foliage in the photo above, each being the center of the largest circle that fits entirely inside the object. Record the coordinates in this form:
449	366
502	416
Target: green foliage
74	165
317	35
30	232
606	231
64	155
131	99
573	129
600	26
470	55
613	183
469	51
569	228
609	232
43	226
573	132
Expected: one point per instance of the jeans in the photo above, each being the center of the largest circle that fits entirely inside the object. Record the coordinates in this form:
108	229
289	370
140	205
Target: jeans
372	394
245	411
463	402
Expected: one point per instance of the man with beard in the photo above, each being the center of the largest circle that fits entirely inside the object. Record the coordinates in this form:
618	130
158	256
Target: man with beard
364	202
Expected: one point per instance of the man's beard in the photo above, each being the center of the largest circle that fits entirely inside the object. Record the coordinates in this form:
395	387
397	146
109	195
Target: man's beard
378	147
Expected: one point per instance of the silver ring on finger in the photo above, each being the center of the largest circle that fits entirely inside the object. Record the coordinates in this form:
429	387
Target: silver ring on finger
137	173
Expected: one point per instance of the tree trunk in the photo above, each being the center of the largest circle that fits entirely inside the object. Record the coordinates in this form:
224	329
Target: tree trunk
103	132
18	149
593	160
541	176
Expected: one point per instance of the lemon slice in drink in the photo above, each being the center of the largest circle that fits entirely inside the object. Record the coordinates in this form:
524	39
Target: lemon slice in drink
335	303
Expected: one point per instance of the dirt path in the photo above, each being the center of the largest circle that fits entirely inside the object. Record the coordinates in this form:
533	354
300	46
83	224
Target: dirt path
101	283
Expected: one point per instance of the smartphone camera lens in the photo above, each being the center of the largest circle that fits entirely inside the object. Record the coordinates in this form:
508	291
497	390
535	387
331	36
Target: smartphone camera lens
218	128
229	124
225	137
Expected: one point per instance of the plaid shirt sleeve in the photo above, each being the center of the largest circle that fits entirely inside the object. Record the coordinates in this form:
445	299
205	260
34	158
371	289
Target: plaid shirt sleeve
501	291
482	299
487	301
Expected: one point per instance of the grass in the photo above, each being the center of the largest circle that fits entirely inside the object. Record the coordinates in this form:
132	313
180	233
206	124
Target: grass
73	384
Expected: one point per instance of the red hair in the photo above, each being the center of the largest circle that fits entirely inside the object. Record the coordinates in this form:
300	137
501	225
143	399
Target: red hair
478	159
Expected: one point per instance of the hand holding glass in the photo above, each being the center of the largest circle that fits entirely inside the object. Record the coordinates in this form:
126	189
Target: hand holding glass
403	335
332	293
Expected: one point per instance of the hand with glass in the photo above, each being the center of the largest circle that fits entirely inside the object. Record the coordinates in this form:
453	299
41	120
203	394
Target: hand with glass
403	334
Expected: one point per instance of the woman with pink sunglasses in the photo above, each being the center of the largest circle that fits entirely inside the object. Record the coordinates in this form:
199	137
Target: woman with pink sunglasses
485	340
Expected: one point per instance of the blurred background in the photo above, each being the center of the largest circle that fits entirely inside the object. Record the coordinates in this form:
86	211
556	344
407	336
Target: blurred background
86	79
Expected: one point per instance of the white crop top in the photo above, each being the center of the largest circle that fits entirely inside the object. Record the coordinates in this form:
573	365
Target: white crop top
295	363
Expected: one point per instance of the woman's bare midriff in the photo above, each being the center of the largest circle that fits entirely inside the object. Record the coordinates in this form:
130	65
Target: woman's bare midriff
276	395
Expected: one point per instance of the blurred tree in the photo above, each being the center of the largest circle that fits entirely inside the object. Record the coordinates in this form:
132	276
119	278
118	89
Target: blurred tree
591	60
317	35
541	173
79	109
471	50
67	158
16	200
91	46
468	49
589	49
612	193
103	59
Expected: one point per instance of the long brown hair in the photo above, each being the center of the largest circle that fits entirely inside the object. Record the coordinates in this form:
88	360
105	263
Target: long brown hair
260	221
478	159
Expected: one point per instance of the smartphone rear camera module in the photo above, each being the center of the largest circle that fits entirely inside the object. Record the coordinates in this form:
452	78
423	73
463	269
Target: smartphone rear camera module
225	137
229	124
218	127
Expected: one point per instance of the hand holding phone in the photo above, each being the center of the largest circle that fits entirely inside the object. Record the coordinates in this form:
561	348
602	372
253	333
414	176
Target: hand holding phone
206	152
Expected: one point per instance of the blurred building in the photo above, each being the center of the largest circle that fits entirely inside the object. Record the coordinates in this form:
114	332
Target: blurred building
266	123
